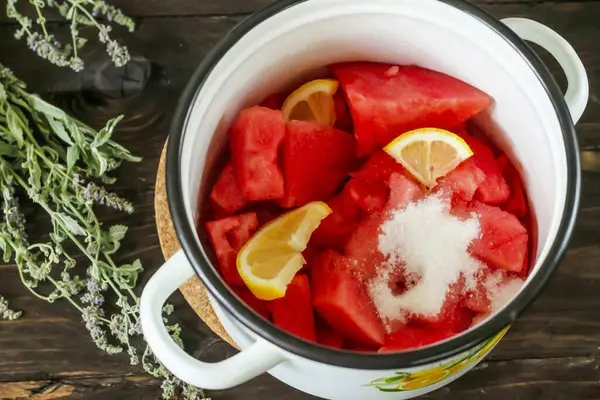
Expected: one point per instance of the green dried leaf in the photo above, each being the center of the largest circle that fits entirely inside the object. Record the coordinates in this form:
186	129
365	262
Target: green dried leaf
46	108
72	157
7	150
117	232
14	125
59	130
105	134
75	132
101	160
71	225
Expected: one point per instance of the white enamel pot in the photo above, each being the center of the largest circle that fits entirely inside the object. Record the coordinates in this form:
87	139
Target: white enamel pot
531	120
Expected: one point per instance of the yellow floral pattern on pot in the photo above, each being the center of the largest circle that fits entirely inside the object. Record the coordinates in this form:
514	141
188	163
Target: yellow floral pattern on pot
405	381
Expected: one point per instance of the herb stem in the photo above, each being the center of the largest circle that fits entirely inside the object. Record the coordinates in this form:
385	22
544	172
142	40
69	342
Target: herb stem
41	19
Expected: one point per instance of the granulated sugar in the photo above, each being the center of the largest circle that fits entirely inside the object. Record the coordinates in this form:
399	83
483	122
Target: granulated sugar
502	291
431	244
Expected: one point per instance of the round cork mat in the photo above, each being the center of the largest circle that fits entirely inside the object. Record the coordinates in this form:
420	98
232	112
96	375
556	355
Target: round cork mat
193	290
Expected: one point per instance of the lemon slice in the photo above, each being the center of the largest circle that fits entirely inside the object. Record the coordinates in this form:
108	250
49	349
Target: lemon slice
273	255
312	101
429	153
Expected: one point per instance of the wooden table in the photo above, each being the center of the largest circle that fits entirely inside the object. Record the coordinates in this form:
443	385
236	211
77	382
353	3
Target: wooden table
553	352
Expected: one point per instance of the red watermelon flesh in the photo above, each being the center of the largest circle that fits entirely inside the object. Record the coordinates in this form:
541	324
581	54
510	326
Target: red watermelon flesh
274	101
455	320
259	306
316	160
248	224
403	191
294	312
387	100
517	203
335	230
493	190
412	337
362	249
478	298
368	196
460	130
227	236
462	183
378	168
255	139
226	197
327	336
343	302
343	119
503	240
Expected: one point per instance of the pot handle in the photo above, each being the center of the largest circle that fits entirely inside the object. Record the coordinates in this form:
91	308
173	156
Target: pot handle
247	364
578	86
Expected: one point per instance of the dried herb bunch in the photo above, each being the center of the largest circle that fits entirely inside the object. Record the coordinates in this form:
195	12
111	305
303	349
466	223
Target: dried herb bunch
78	13
62	165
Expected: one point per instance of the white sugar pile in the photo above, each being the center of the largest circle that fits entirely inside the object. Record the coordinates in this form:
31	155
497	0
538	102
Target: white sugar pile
431	244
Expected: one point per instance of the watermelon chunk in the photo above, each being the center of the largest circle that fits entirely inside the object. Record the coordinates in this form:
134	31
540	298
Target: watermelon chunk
316	160
261	307
227	236
362	248
412	337
478	297
455	320
342	300
343	119
378	168
327	336
255	139
503	240
493	189
335	230
403	190
294	312
368	196
387	100
462	183
517	203
226	196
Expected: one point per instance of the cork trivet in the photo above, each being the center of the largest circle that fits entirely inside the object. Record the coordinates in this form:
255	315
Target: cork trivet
193	290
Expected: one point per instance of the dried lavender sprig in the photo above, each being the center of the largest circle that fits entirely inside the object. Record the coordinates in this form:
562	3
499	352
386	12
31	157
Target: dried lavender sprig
78	13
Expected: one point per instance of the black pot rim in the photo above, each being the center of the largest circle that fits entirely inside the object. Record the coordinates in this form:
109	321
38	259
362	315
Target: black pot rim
230	302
